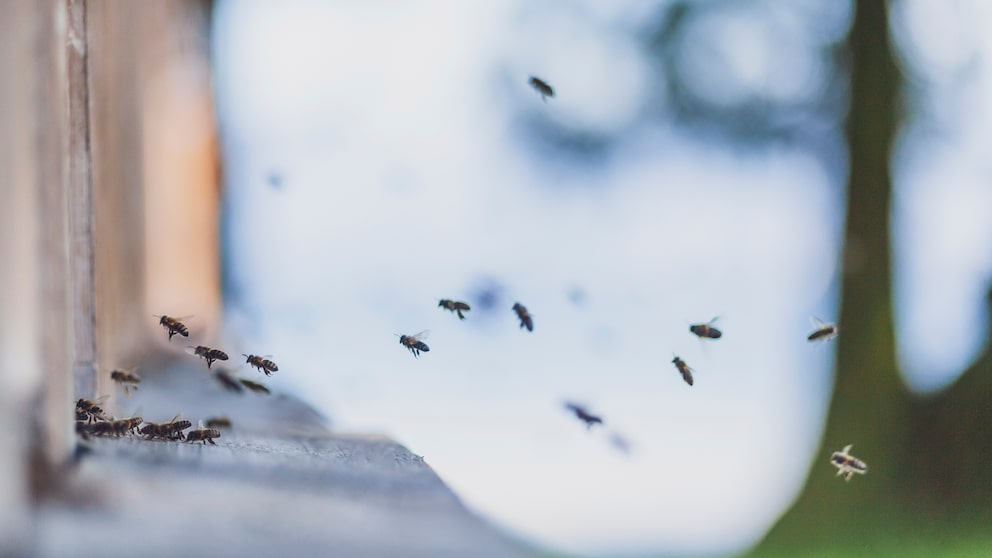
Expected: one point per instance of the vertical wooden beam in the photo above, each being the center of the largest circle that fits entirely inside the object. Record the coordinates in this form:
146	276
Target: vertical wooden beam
19	374
80	186
50	130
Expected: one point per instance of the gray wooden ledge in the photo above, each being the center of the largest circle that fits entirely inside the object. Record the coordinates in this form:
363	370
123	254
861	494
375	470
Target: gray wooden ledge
278	484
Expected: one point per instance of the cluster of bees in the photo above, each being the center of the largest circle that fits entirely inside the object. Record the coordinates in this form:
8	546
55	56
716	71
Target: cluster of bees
92	420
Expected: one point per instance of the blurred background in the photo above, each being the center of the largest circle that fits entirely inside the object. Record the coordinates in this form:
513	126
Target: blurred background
693	163
308	179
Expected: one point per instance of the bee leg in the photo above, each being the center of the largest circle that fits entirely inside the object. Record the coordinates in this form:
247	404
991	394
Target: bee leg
211	440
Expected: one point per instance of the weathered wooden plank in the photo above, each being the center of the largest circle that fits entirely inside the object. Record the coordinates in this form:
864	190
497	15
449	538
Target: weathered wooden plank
80	192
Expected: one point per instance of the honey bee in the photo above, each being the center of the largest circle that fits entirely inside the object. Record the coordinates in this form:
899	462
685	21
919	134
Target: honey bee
128	379
582	414
227	381
127	425
847	464
526	320
204	435
415	342
82	429
255	386
823	331
683	369
172	430
90	410
218	422
174	326
263	364
455	306
542	87
207	353
706	331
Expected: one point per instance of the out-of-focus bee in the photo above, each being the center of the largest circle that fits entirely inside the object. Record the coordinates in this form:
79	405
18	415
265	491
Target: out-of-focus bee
847	464
823	331
227	381
620	443
217	422
526	320
582	414
255	386
174	326
128	379
683	369
204	435
207	353
415	342
263	364
90	410
706	331
542	87
455	306
82	429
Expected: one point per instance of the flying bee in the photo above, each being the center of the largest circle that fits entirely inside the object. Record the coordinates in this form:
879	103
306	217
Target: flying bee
582	414
847	464
706	331
415	342
90	410
263	364
218	422
174	326
207	353
255	386
526	320
455	306
683	369
542	87
227	381
204	435
823	331
128	379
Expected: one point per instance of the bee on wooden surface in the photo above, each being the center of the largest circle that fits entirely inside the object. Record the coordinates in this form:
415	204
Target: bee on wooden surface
174	326
172	430
683	369
823	332
847	464
582	414
128	379
455	306
90	410
542	87
706	331
263	364
126	425
227	381
217	422
207	353
204	435
526	320
255	386
415	342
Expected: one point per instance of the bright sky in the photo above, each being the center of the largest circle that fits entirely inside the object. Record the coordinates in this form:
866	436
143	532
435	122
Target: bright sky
395	127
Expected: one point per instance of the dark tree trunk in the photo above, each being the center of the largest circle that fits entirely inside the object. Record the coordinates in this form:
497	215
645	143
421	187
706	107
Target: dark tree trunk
928	456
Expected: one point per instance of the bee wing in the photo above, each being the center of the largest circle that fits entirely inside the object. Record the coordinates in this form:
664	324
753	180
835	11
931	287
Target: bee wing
422	335
191	350
818	323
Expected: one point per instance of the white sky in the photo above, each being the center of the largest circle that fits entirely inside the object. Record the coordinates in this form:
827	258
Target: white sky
405	181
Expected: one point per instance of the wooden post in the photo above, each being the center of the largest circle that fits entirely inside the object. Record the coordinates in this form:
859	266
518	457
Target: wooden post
106	105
